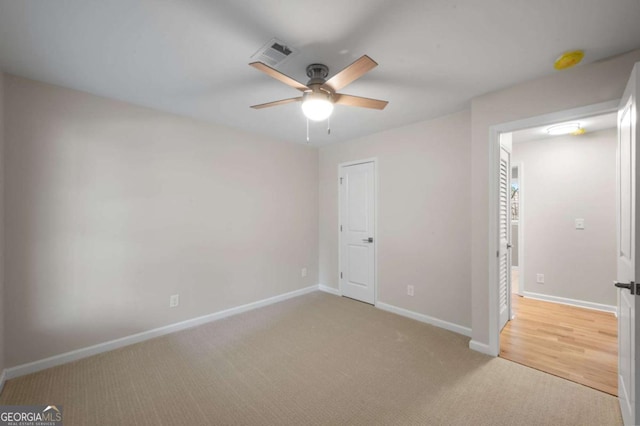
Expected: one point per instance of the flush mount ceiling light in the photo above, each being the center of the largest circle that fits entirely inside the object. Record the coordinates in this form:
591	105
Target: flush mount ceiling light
564	129
317	106
568	59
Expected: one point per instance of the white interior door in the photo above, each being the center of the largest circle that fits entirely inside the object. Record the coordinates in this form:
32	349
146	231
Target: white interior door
504	231
357	225
628	326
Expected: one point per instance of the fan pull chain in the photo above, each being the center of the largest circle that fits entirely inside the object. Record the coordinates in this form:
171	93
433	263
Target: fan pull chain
307	130
329	125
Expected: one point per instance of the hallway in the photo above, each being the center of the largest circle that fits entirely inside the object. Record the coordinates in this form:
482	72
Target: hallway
574	343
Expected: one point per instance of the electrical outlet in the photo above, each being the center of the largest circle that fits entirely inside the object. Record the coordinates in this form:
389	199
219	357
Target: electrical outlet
410	290
540	278
174	300
303	272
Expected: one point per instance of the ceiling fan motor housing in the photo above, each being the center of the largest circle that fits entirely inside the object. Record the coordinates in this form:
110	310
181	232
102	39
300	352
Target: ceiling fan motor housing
317	73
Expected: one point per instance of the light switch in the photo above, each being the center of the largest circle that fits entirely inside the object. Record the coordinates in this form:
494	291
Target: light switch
579	223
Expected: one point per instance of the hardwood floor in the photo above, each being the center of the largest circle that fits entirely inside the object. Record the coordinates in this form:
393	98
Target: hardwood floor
574	343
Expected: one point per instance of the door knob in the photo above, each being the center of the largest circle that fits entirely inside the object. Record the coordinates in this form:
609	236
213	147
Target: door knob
508	246
368	240
631	286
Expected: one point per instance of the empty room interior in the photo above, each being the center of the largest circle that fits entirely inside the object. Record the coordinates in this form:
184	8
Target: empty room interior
296	212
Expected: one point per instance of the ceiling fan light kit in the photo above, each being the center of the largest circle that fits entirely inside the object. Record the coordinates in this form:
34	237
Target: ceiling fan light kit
317	106
317	103
319	94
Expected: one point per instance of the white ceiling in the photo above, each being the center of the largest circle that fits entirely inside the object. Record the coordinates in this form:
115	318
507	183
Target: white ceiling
190	56
589	124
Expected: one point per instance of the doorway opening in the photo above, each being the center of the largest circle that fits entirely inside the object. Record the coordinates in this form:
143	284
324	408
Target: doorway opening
562	316
559	225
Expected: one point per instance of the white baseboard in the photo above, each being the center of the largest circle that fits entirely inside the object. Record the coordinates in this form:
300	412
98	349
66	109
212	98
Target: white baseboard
481	347
466	331
330	290
571	302
64	358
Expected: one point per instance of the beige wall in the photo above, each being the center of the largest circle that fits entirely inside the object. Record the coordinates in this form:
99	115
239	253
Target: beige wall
570	177
111	208
423	215
584	85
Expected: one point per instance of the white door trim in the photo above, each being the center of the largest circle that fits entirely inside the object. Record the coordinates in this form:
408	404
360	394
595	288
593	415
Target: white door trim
373	160
520	166
494	160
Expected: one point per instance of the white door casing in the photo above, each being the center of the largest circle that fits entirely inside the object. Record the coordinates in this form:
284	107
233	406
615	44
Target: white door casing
627	195
357	229
520	229
504	230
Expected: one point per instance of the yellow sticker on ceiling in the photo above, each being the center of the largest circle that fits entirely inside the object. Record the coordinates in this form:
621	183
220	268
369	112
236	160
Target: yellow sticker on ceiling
568	59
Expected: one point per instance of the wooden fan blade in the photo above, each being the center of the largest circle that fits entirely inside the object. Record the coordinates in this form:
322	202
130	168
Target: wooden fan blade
353	72
276	103
357	101
279	76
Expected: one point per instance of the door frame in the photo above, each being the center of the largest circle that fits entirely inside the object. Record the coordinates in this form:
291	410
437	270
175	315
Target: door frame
494	170
520	166
373	160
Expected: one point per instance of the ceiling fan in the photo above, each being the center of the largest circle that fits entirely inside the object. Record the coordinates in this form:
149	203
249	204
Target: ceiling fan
320	95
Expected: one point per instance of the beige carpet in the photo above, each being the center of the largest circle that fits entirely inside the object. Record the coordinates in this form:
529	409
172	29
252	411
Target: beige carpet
314	360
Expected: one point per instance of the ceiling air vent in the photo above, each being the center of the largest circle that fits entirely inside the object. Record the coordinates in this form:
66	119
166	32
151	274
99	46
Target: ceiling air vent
275	52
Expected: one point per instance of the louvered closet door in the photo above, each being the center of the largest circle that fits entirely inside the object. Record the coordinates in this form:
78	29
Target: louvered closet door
504	229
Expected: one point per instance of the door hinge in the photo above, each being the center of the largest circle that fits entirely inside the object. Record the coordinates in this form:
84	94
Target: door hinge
340	228
497	253
340	274
340	181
